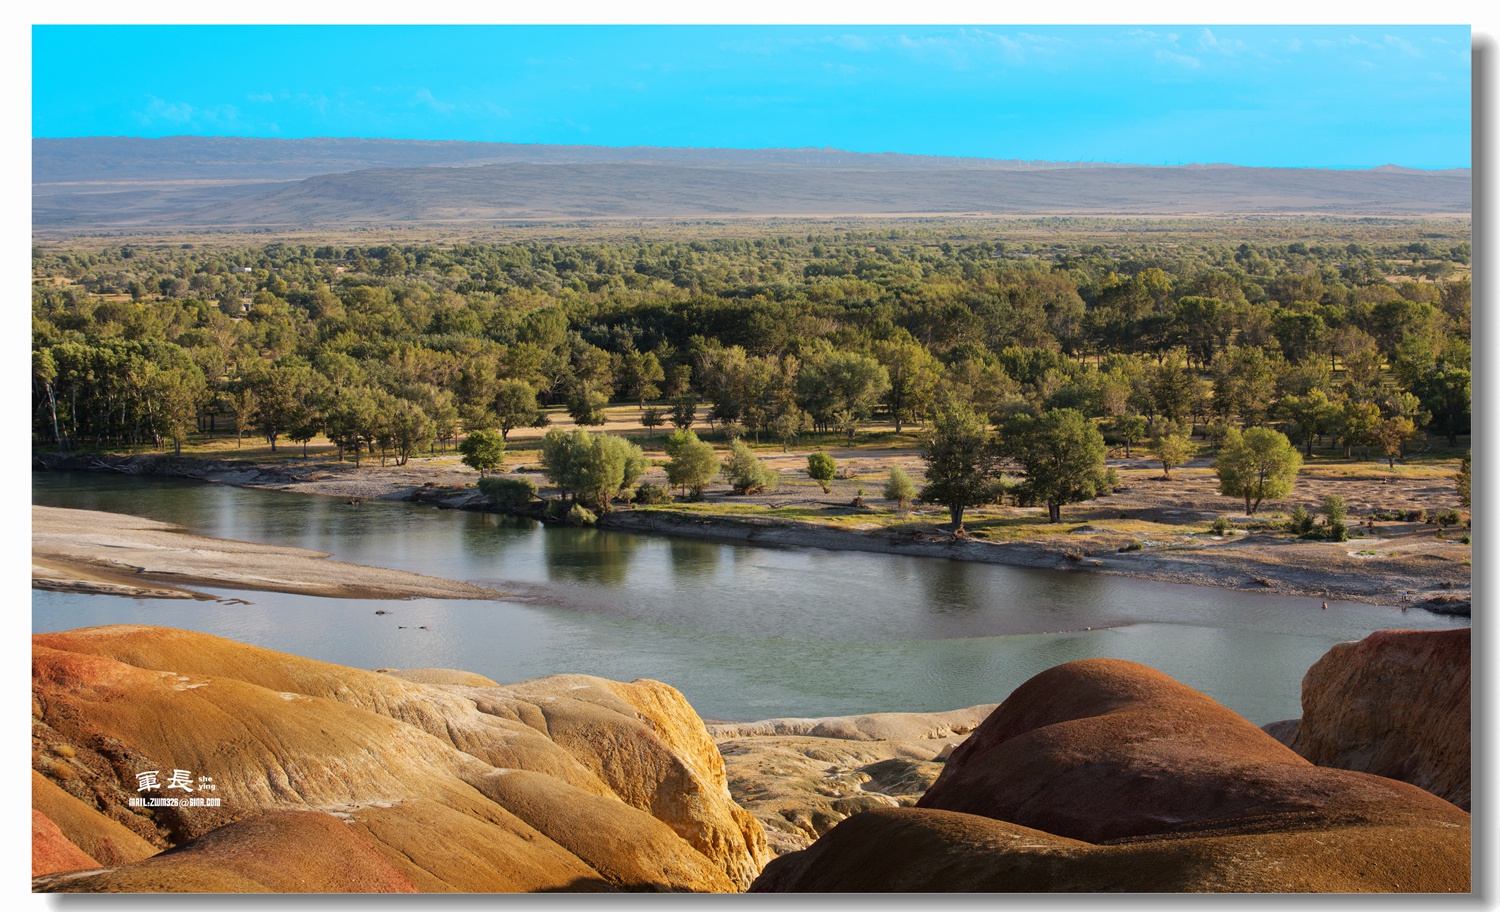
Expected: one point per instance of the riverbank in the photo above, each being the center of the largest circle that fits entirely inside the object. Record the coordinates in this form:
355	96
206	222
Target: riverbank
115	554
1150	530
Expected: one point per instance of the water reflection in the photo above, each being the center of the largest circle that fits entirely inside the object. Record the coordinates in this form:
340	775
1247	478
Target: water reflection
745	631
693	560
588	555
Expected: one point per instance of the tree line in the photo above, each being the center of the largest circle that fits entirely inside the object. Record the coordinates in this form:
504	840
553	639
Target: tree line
1358	344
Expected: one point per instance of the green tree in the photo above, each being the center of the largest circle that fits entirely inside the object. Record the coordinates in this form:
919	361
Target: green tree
899	487
1130	428
1062	453
912	373
821	468
1171	450
651	419
684	410
586	404
514	404
349	409
788	425
1357	426
1391	436
1312	415
963	468
483	451
283	392
1259	464
692	463
591	468
745	472
407	427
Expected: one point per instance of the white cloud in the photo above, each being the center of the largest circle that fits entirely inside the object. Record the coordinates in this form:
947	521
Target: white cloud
425	97
1185	60
182	114
1401	44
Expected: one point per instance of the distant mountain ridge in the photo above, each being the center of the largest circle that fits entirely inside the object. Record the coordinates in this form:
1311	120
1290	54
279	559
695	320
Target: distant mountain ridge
233	157
106	183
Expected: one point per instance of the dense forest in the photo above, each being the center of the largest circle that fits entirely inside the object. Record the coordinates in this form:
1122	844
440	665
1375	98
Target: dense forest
1352	334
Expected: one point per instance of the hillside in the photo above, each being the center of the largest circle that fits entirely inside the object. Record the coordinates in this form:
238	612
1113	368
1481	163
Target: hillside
102	183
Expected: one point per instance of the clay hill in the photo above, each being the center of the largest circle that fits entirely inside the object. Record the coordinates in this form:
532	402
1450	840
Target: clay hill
1105	775
203	183
342	780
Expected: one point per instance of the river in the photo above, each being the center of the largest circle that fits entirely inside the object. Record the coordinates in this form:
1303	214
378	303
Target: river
744	631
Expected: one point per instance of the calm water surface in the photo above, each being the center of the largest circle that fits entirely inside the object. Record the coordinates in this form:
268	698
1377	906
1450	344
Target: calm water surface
745	631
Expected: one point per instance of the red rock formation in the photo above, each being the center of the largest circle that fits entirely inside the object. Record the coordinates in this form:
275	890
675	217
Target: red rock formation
1395	704
51	851
1103	774
426	774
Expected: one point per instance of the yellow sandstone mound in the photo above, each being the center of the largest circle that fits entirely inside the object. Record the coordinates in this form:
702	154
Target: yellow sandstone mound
565	783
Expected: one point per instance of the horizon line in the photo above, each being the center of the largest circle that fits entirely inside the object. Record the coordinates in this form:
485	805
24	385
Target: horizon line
487	142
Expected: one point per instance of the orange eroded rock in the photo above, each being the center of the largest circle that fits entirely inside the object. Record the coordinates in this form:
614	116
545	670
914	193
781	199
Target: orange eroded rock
417	770
98	836
1395	704
53	851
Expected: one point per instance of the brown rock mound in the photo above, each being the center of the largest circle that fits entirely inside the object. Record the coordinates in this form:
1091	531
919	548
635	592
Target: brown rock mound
266	854
1395	704
1108	775
930	851
418	770
1103	749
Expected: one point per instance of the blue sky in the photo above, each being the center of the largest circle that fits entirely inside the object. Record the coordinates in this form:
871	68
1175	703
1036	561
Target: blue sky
1303	96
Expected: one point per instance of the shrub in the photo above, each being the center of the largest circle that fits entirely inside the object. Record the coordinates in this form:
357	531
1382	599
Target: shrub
483	451
508	493
1301	522
1334	509
899	487
692	463
821	468
1448	518
1222	526
580	515
1135	545
745	472
1338	531
652	494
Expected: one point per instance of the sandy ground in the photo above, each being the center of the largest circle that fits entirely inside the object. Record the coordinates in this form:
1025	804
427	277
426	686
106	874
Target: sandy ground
112	553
